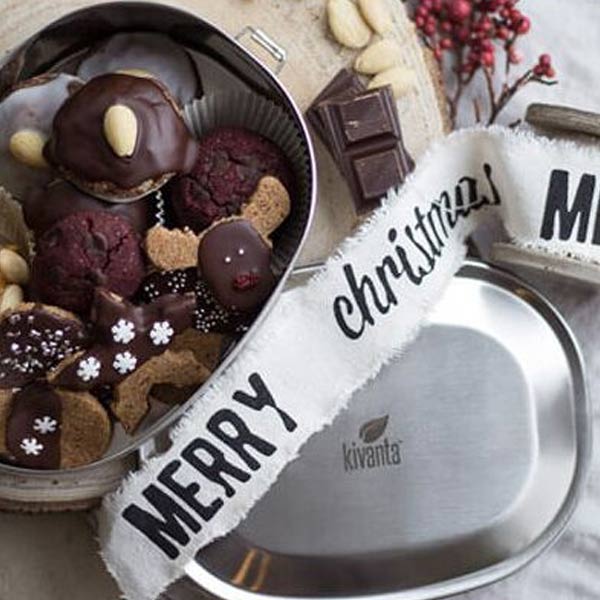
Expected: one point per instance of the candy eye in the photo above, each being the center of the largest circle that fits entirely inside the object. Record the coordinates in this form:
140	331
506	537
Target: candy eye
241	252
227	260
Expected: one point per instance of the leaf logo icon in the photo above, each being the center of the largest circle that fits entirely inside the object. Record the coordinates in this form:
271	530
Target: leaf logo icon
371	431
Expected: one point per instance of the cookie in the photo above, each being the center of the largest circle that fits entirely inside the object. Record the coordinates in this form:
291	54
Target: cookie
132	396
81	252
170	249
33	339
45	206
46	428
208	348
126	336
120	137
266	209
235	262
26	116
152	53
230	163
209	316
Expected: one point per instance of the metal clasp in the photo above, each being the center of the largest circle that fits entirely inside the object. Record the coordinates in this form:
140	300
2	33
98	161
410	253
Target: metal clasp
264	41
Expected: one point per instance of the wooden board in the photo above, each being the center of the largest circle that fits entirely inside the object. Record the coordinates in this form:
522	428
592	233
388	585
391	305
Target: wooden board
300	27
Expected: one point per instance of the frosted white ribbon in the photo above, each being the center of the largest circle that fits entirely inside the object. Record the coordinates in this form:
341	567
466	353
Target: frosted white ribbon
319	345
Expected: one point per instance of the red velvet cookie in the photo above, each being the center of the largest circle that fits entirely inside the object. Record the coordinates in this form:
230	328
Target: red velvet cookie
231	162
45	206
83	251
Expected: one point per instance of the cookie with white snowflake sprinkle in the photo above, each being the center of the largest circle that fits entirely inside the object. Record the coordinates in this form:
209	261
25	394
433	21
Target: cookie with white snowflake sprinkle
42	427
125	336
34	338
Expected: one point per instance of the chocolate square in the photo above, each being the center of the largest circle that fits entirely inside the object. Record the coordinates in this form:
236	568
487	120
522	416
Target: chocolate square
362	131
377	173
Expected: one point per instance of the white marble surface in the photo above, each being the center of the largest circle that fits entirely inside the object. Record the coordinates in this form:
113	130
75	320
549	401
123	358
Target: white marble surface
54	557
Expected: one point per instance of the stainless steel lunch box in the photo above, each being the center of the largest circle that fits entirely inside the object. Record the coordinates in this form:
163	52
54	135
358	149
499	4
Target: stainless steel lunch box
226	64
456	466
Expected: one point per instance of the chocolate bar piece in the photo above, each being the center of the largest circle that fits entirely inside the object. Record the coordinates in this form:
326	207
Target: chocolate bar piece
363	134
346	84
361	130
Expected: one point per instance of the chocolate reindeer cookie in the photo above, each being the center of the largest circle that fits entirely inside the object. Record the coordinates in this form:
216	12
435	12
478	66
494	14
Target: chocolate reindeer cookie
46	428
120	137
235	262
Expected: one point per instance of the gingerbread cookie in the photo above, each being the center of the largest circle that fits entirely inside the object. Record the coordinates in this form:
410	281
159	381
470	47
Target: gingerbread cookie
46	428
34	338
235	262
120	137
125	337
209	316
132	396
208	348
170	249
267	209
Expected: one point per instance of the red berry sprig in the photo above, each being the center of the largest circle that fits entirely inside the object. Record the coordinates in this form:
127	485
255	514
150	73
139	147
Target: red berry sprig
468	35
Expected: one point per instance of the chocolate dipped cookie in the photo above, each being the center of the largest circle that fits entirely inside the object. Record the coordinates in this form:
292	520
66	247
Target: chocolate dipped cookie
120	137
145	54
42	427
235	262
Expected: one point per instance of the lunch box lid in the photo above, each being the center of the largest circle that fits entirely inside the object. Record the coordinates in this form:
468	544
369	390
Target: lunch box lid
458	465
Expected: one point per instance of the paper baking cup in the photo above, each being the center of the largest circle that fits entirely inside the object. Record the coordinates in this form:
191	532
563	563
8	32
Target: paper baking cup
256	113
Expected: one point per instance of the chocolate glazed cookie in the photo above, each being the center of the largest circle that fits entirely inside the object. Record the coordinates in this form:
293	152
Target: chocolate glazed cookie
119	137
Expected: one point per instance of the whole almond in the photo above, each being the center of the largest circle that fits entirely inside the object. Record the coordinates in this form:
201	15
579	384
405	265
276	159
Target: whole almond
376	14
121	129
13	267
378	57
346	24
11	297
402	80
136	73
27	146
